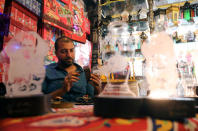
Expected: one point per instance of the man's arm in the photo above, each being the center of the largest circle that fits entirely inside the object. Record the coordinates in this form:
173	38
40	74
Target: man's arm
55	93
67	84
58	92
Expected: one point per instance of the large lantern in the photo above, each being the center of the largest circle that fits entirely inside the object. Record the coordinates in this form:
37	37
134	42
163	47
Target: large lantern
173	14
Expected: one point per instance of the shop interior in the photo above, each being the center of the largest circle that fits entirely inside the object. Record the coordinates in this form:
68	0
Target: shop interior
144	52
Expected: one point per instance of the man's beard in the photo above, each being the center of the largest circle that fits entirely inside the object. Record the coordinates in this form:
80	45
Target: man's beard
67	62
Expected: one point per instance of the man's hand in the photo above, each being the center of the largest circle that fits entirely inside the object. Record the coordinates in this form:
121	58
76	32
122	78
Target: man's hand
96	83
69	79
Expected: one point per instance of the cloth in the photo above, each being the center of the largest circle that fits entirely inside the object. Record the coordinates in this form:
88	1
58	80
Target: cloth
81	118
54	80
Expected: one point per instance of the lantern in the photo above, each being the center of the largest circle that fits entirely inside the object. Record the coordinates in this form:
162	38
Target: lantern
134	15
159	15
173	14
186	11
142	13
125	16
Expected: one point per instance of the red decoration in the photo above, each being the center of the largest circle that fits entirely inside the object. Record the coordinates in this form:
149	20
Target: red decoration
66	1
81	39
50	35
192	13
78	20
69	18
86	25
2	4
58	15
20	20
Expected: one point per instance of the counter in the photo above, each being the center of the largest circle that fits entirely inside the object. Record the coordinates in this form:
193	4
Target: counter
80	117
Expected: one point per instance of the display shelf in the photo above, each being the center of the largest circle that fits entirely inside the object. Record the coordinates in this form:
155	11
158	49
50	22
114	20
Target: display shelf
187	43
118	80
186	46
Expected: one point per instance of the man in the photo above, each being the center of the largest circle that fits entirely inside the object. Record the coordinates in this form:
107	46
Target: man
66	78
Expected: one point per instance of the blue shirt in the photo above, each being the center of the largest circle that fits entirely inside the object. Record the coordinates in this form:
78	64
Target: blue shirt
54	79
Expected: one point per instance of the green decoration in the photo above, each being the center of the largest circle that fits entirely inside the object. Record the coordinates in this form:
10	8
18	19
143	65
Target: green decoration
187	14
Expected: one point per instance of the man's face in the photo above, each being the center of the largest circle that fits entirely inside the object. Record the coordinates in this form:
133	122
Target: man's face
65	53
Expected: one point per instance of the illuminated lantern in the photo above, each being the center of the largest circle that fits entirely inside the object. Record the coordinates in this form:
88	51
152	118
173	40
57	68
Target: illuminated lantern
125	16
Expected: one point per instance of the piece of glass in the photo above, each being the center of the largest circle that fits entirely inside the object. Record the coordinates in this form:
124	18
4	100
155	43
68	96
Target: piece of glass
23	59
117	56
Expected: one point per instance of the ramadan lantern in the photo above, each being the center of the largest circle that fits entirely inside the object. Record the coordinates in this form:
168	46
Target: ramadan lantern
173	14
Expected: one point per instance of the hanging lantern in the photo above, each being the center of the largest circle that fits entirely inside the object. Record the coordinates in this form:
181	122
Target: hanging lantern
125	16
194	10
186	10
173	14
142	14
134	15
159	15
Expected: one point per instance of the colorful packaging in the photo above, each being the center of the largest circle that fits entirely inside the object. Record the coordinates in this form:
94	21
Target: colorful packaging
13	15
19	16
12	30
2	4
34	25
25	20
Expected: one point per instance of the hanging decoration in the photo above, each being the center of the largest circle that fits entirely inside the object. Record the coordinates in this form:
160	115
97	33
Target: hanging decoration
79	34
142	14
186	9
2	3
173	14
58	14
125	16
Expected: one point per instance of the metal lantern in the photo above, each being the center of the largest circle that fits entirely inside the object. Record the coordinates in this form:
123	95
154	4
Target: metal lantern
173	14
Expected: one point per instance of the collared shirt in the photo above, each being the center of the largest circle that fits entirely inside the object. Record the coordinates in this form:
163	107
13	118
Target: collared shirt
54	80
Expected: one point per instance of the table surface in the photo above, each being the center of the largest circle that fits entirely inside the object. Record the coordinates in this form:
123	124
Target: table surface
81	117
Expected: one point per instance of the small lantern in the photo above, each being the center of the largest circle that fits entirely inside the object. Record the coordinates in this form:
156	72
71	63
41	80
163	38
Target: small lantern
134	15
125	16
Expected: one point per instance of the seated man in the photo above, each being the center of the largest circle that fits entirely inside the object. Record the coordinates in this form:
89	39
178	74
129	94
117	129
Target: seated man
66	78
